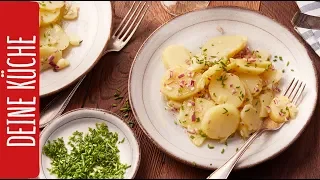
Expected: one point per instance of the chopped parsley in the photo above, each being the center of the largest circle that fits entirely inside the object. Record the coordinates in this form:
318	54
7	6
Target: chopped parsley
280	57
288	63
198	119
247	110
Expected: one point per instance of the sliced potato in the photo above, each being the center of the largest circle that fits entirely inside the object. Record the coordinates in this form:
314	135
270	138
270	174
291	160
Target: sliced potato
256	104
225	46
242	66
75	40
227	88
54	36
50	5
49	17
279	111
293	110
197	62
62	63
201	106
185	114
253	82
262	55
176	56
248	96
174	105
265	99
196	139
179	84
221	121
45	53
270	77
214	72
70	12
250	117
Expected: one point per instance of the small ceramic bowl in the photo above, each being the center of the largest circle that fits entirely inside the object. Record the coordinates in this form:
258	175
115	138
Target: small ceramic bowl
81	120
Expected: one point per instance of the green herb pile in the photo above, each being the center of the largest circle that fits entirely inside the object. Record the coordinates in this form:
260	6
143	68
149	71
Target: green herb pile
93	156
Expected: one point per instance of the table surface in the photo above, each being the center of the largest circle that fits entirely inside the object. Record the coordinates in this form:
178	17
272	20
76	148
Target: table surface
300	160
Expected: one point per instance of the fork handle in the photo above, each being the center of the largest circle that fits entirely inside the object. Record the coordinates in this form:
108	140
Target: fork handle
224	171
57	105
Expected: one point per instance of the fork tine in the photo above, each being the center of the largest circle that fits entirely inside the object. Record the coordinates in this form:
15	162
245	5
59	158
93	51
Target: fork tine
124	19
295	101
294	87
297	90
125	26
289	87
137	25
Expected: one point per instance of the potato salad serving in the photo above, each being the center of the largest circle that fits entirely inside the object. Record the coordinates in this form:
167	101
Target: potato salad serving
53	39
224	89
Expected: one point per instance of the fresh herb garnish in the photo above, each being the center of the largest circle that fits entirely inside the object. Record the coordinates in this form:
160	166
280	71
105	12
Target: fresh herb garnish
226	111
94	155
222	151
210	146
131	124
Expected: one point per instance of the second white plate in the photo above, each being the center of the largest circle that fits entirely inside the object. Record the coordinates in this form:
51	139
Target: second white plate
93	26
192	30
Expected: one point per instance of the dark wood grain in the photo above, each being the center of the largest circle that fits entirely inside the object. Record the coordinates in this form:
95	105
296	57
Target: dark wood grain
300	160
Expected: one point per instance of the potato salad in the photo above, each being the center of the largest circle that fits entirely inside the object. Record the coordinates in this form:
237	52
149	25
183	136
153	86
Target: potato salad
53	39
224	89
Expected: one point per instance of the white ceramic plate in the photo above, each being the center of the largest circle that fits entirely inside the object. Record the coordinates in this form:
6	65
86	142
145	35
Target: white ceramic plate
192	30
93	26
81	120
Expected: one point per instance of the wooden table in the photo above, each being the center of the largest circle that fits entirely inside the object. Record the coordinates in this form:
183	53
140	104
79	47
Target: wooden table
300	160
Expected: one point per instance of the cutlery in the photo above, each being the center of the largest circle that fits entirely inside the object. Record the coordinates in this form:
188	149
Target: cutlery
306	21
119	39
268	125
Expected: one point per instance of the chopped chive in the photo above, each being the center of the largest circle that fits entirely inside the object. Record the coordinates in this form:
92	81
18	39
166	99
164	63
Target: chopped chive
288	63
131	124
210	146
114	105
222	151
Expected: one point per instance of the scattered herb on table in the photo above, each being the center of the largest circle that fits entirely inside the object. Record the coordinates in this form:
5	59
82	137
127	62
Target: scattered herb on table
94	155
131	124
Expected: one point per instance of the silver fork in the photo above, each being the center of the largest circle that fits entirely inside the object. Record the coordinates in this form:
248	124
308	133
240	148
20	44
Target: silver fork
119	39
268	125
305	21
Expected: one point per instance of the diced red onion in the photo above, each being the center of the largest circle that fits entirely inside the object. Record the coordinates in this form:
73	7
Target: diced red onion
193	117
181	75
231	85
171	74
192	83
192	103
182	84
268	109
51	63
